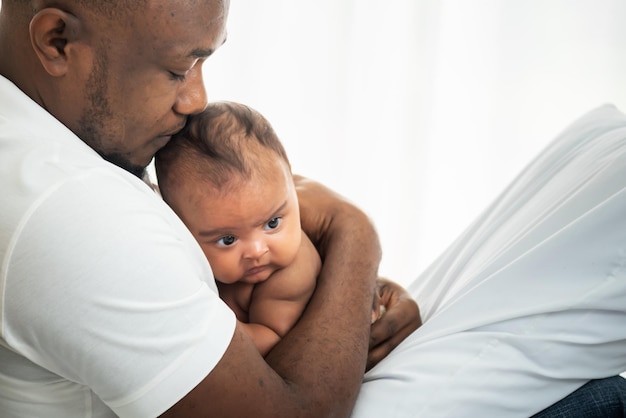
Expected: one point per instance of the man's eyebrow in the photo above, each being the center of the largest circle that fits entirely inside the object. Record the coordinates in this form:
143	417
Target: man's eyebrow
203	53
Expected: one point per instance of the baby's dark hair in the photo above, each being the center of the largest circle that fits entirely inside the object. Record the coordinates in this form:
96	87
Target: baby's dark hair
219	144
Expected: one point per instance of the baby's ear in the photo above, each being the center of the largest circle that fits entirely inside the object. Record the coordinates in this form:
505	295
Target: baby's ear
54	34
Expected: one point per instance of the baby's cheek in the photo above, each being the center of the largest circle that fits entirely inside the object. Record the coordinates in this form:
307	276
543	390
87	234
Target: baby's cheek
224	270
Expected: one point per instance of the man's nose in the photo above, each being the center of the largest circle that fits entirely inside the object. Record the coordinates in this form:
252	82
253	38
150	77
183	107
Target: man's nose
192	97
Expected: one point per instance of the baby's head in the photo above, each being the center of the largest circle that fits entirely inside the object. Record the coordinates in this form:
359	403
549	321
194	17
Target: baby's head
228	143
228	178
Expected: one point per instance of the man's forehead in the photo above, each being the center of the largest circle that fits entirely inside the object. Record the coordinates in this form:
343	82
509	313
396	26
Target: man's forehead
194	28
187	11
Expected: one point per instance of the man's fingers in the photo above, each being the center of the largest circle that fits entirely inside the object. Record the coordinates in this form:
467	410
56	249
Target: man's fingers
381	350
384	328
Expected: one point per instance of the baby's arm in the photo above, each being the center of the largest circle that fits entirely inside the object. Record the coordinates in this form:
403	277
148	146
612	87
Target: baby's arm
277	303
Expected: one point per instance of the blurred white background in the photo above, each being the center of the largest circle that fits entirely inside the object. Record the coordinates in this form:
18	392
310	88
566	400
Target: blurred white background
420	111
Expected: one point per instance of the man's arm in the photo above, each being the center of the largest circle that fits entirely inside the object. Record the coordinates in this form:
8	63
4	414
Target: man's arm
317	368
402	315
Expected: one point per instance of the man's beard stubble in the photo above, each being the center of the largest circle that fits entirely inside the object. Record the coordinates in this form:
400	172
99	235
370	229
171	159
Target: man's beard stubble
92	122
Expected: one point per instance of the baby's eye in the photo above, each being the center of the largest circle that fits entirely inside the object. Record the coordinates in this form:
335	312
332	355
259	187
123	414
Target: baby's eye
226	240
273	223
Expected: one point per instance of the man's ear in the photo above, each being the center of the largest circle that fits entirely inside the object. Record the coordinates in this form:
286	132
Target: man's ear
53	33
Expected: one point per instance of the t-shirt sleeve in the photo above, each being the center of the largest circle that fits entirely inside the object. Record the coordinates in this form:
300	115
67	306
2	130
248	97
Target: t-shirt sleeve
114	294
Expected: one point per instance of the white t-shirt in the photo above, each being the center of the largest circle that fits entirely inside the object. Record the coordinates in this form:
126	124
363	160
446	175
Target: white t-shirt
107	304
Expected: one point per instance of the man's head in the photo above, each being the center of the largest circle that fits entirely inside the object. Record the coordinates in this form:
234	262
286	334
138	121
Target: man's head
123	75
228	178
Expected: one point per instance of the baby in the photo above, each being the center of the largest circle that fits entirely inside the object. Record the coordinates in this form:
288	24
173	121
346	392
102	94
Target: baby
228	178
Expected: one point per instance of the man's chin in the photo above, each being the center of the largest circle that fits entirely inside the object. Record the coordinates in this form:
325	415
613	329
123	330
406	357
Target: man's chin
120	161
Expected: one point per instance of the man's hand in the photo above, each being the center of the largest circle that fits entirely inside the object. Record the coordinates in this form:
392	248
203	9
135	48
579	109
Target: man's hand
399	317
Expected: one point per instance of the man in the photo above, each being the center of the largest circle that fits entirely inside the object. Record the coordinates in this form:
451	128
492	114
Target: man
109	306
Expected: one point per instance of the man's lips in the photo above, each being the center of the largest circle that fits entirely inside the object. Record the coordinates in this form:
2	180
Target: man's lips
175	130
169	134
166	137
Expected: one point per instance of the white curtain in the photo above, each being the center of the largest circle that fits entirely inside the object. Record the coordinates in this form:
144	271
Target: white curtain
420	111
